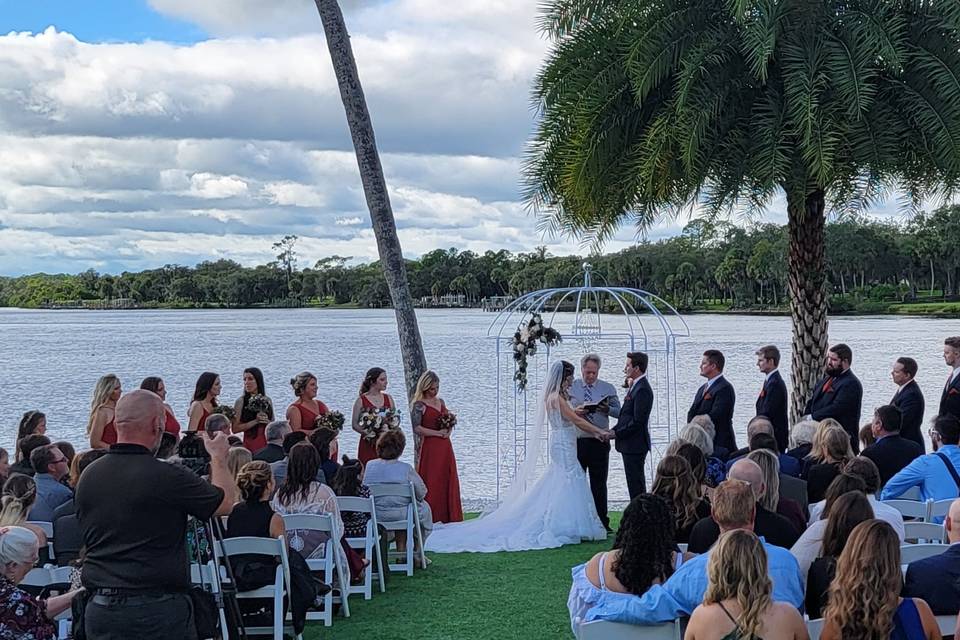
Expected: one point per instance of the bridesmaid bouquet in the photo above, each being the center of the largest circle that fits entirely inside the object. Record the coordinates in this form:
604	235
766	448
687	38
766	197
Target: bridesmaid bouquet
225	410
332	421
446	421
373	422
258	403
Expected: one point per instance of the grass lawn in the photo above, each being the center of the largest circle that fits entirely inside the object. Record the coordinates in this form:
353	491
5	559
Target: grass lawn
470	595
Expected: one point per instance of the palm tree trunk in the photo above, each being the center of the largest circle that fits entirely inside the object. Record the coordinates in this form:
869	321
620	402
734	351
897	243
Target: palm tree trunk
808	301
375	191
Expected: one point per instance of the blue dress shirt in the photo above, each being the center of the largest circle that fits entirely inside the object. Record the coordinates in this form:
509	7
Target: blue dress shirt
929	473
50	495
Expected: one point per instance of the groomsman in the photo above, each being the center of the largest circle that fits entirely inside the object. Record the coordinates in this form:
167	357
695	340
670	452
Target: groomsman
716	398
838	394
950	398
593	454
909	399
632	431
772	401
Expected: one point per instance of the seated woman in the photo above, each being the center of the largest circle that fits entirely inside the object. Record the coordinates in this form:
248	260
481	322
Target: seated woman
808	547
738	602
644	554
253	515
21	616
18	495
387	468
349	482
772	501
846	513
676	484
865	600
831	450
696	460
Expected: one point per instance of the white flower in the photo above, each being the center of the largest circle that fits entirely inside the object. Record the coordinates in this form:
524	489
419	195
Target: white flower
520	348
525	335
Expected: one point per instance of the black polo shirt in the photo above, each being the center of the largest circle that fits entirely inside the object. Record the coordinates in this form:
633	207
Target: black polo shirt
133	515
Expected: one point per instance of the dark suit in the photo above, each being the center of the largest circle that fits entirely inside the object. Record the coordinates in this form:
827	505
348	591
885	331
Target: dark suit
772	403
839	397
270	453
632	434
717	403
935	579
910	402
950	399
891	454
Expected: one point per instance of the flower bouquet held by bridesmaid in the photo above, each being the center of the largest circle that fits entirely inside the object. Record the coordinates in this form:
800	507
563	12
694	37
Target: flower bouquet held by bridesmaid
437	466
371	405
253	411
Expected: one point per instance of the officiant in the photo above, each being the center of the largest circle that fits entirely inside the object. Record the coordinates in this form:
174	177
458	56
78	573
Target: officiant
597	401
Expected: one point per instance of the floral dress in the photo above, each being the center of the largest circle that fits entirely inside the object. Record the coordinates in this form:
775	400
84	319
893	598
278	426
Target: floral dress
21	616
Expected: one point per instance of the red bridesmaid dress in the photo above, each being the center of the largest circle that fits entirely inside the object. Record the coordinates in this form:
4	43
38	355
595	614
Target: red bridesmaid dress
367	450
203	419
438	468
109	434
307	416
171	425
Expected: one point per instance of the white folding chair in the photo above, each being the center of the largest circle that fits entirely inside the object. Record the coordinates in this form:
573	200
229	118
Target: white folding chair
940	508
923	532
37	577
370	543
913	552
47	528
947	624
275	548
814	627
328	565
205	575
605	630
912	508
683	547
411	524
913	493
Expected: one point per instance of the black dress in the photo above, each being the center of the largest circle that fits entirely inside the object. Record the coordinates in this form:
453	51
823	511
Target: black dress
682	535
250	519
818	585
819	477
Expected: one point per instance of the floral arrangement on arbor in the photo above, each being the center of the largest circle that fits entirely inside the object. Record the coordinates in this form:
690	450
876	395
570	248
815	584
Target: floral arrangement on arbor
331	421
374	422
525	345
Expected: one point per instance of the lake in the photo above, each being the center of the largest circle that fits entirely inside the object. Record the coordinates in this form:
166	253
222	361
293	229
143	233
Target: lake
52	360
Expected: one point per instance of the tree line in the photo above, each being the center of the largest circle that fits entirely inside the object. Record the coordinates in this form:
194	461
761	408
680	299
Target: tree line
870	264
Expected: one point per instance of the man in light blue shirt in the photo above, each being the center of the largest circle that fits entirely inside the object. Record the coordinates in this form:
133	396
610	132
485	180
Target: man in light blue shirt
733	508
50	467
593	454
933	472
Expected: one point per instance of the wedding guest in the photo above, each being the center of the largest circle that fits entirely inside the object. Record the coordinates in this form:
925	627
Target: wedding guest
908	399
801	439
372	398
67	537
644	554
808	547
937	579
387	468
706	423
772	401
866	436
632	430
773	500
321	439
864	600
791	488
676	484
438	465
67	450
716	470
22	617
846	513
304	411
738	602
253	516
27	445
934	472
101	428
4	465
249	420
279	467
761	426
838	394
831	450
32	422
864	469
274	432
16	500
950	396
349	483
694	457
237	457
716	398
205	394
891	452
170	423
50	467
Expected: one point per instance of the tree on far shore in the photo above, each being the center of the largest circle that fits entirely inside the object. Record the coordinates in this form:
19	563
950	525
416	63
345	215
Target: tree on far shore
653	109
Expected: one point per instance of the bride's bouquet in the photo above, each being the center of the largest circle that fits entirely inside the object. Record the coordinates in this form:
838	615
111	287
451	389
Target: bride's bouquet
374	422
332	421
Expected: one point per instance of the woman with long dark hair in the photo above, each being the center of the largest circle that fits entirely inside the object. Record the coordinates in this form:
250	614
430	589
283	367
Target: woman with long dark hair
372	398
31	422
204	400
304	411
155	384
252	420
676	483
349	482
100	425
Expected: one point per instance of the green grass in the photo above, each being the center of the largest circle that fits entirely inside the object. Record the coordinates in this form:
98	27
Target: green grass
480	596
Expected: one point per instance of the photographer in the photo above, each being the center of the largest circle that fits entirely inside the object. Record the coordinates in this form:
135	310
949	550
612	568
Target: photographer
133	513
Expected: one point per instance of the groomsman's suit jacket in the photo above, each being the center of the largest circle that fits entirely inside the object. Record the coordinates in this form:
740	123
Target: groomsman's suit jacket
772	403
717	402
632	428
839	397
909	400
950	399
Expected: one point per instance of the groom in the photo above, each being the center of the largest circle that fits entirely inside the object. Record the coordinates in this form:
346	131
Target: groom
632	433
595	400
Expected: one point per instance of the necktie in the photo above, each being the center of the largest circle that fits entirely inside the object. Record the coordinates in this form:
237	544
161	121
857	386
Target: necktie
828	385
587	396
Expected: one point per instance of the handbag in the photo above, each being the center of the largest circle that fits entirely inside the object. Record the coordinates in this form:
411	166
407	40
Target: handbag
206	617
78	611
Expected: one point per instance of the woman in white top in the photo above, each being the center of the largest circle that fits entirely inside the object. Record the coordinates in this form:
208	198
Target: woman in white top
808	547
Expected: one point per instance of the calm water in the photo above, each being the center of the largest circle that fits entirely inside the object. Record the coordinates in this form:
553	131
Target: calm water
52	359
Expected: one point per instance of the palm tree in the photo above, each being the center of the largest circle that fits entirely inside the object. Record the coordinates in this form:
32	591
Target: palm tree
375	190
654	107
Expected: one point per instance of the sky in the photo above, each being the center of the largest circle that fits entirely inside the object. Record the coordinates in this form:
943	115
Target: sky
138	133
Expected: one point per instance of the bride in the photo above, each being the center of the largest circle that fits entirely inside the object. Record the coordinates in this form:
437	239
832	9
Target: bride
542	508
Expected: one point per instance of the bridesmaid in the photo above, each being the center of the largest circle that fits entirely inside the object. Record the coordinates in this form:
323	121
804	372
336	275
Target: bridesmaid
372	396
252	424
100	426
306	408
204	400
171	425
32	422
438	466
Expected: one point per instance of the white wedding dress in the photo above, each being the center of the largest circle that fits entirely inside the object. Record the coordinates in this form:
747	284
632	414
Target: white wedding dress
547	508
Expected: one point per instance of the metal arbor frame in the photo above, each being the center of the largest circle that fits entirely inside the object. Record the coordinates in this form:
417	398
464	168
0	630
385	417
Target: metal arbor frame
640	321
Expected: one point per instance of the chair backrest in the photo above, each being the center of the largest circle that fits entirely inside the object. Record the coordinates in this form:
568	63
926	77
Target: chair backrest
814	627
605	630
37	577
253	546
913	552
311	521
393	490
947	624
355	504
940	508
911	508
926	531
913	493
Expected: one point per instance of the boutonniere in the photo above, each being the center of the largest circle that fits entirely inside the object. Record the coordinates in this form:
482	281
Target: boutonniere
763	393
953	392
707	396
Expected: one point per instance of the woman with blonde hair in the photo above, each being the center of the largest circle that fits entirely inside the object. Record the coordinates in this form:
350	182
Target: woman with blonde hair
438	465
100	425
864	601
17	498
738	604
676	484
830	452
772	501
237	457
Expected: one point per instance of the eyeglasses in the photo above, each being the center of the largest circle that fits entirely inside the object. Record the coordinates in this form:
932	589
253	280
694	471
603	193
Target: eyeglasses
933	433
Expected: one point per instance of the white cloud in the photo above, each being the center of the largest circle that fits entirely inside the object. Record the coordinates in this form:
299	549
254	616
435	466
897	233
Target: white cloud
208	185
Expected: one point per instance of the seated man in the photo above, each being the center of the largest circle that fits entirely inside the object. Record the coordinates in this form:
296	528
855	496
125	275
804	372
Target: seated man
774	528
937	579
50	467
734	507
891	452
937	474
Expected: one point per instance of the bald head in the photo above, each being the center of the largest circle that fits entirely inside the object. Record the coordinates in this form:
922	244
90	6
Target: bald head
953	522
748	471
139	418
